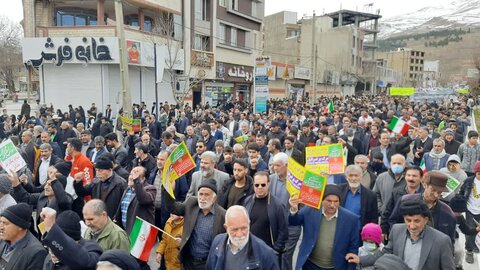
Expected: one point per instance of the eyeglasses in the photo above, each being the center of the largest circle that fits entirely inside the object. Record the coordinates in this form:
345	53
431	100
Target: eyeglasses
263	185
199	146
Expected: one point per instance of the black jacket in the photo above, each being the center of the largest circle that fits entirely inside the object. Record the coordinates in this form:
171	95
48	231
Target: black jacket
451	148
83	255
114	193
278	218
223	195
368	200
150	164
53	160
29	255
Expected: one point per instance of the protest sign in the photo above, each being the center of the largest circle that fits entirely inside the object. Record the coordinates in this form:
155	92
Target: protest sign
179	162
10	158
452	185
130	124
311	192
326	159
295	175
402	91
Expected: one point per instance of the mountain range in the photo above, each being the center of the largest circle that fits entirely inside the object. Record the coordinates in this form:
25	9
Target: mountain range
455	14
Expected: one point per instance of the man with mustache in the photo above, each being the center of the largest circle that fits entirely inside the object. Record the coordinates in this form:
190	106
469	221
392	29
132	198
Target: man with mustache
207	171
238	248
204	219
358	199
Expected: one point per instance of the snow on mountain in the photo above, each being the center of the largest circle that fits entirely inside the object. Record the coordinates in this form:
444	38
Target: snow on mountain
457	13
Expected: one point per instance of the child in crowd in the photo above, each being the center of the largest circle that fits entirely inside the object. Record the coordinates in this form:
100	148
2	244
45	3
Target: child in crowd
372	241
169	247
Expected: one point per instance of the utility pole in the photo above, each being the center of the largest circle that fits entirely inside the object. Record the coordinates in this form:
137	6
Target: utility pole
314	62
122	46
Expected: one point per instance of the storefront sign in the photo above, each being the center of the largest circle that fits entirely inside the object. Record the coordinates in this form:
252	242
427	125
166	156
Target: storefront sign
261	94
263	61
302	73
285	73
95	50
202	59
234	73
271	73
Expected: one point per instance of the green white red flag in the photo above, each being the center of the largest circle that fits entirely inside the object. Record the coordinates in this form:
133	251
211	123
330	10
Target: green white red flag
422	166
397	125
142	239
330	107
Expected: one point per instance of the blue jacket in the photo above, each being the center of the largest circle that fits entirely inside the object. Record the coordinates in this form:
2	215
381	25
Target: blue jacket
347	236
260	256
431	163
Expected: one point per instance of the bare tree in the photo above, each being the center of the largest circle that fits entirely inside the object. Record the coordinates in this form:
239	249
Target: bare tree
181	83
10	52
476	64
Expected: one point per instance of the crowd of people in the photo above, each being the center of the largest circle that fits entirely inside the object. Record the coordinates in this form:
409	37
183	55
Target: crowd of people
87	180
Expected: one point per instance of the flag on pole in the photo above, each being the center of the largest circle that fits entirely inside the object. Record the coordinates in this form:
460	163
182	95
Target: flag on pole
422	166
241	139
397	125
330	106
142	239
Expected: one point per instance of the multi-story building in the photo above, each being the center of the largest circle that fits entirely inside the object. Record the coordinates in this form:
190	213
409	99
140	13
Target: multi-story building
198	51
336	40
408	62
224	42
72	50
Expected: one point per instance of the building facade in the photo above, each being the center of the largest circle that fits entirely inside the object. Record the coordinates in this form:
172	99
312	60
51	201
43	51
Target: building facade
409	63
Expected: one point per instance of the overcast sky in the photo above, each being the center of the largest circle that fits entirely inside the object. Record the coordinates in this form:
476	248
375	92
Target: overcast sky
13	8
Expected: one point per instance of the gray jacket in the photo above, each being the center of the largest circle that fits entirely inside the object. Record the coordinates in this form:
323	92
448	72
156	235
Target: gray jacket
436	252
219	176
468	155
384	186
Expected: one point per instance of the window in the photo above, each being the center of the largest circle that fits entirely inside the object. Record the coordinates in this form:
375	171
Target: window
221	32
234	4
222	3
233	37
77	17
132	20
254	8
201	10
201	43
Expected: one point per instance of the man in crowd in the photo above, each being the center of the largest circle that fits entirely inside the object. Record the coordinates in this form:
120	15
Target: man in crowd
420	246
358	199
329	233
368	178
204	219
238	248
145	160
47	159
87	143
236	189
388	180
271	227
102	229
118	151
109	188
207	171
21	250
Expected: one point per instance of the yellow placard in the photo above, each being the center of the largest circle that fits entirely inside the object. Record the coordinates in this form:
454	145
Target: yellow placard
295	175
402	91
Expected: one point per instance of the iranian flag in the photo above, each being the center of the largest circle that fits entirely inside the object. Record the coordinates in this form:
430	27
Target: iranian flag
422	166
330	106
397	125
142	239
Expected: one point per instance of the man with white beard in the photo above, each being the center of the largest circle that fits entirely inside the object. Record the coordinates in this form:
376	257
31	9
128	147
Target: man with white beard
204	219
207	171
358	199
238	248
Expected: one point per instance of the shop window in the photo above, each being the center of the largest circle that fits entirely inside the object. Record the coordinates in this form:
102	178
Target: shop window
77	17
133	20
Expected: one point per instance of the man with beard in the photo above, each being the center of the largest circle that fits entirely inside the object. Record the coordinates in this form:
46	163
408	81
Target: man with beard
437	158
358	199
238	188
204	219
207	171
238	248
